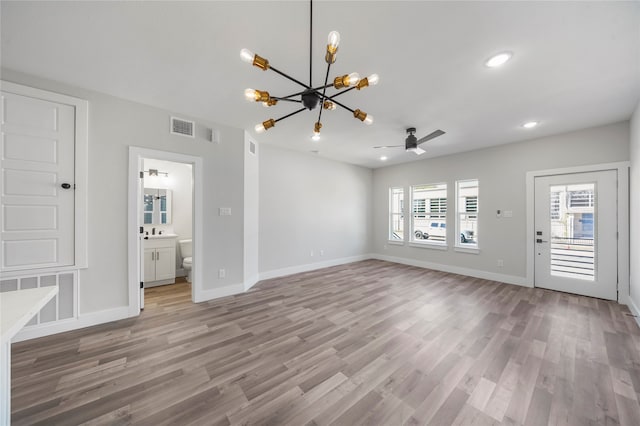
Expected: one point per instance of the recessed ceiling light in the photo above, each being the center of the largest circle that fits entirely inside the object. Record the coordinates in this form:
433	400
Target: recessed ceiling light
530	124
383	158
498	60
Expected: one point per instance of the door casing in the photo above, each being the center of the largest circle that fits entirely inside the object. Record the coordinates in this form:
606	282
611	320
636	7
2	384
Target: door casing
622	218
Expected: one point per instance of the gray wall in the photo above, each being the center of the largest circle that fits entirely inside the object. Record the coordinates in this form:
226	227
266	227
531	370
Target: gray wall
114	125
310	203
635	207
501	172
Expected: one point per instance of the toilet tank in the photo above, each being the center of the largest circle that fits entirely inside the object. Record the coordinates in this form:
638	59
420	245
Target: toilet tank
185	248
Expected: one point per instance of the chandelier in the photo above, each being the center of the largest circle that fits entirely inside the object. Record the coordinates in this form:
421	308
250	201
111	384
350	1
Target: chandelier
310	97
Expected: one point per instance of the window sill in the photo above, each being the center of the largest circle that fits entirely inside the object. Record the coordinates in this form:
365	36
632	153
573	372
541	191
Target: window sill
470	250
432	246
395	243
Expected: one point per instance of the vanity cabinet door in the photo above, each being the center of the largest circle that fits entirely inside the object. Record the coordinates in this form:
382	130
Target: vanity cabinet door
165	263
149	265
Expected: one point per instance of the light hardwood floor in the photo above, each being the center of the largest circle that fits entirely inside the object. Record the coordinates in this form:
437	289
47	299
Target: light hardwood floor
366	343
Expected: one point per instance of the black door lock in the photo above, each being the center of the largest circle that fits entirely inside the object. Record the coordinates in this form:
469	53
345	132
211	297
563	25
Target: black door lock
65	186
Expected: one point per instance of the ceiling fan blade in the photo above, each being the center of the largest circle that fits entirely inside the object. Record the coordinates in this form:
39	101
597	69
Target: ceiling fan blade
431	135
388	146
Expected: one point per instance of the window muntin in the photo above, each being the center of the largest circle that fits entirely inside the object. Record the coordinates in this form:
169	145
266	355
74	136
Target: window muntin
396	214
429	215
467	210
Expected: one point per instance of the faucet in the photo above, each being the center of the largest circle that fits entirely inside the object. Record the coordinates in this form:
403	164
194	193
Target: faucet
153	231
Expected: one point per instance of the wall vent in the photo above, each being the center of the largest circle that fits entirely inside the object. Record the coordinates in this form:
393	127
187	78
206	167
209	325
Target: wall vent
252	147
182	127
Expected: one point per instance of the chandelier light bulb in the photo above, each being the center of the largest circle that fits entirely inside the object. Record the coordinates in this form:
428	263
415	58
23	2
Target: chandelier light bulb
247	56
373	79
315	137
368	120
333	40
353	79
250	95
260	128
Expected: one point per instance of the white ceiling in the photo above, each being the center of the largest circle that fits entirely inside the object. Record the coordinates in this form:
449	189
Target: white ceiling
575	65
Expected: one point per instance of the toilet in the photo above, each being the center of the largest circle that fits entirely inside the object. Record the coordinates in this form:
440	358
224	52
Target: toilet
187	257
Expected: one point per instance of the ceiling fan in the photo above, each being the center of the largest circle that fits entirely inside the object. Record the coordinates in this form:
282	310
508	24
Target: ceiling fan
411	143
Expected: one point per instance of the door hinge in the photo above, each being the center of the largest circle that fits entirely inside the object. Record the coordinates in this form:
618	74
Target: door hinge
141	175
141	284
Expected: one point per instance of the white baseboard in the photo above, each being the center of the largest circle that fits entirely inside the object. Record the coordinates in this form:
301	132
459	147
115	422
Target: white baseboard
251	282
216	293
634	310
311	266
83	320
503	278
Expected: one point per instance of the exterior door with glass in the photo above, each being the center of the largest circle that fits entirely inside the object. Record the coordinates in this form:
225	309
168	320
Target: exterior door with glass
576	233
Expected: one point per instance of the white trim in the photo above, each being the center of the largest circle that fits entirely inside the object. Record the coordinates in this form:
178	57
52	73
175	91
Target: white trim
395	242
216	293
84	320
492	276
469	250
634	310
250	282
622	168
432	246
312	266
136	154
81	162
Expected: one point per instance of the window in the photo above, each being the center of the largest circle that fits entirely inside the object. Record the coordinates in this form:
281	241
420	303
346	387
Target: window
467	213
429	215
396	214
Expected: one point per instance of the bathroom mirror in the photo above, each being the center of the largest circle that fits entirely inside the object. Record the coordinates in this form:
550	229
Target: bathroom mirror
156	206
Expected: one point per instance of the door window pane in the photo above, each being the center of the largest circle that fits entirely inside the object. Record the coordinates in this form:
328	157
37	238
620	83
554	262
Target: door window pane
572	231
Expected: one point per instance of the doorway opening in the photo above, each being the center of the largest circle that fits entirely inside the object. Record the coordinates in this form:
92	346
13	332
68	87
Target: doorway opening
165	220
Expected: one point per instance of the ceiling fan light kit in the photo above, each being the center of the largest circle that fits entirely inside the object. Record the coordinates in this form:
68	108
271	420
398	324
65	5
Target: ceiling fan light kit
311	96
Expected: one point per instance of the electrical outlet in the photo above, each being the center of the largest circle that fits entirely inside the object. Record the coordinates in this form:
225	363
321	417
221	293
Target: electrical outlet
500	263
224	211
222	273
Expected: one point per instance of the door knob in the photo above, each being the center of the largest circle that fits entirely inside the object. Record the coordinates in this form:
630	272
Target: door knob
540	240
66	185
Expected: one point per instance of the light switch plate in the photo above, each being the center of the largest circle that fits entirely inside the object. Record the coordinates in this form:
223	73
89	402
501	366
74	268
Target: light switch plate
225	211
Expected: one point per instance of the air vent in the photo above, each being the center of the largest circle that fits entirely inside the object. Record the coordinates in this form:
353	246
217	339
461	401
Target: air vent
252	147
182	127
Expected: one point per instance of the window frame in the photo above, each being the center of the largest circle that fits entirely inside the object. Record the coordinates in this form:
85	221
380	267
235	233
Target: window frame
427	215
472	247
392	214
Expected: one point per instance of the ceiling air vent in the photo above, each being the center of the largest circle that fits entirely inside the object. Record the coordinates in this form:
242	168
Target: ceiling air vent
182	127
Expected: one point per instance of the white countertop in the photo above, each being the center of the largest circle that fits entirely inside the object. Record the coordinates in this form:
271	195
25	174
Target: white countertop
18	307
160	236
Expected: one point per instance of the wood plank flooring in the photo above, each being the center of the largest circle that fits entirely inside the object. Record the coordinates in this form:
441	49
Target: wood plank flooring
371	342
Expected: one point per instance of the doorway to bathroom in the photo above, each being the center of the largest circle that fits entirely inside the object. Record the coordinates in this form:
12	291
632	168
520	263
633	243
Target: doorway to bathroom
165	200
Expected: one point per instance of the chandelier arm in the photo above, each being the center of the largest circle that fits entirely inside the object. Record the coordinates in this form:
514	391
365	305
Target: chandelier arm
290	78
341	105
315	89
340	93
286	99
324	89
289	115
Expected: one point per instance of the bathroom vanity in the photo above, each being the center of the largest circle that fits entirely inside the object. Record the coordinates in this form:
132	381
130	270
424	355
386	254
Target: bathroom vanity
159	260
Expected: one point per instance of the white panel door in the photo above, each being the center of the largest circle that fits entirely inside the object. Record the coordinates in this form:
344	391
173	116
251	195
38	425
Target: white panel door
37	185
576	233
